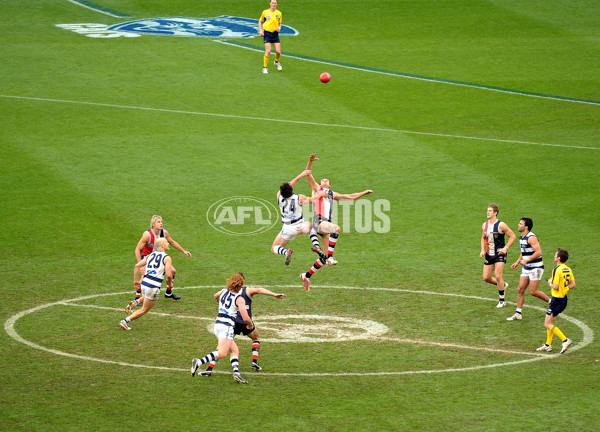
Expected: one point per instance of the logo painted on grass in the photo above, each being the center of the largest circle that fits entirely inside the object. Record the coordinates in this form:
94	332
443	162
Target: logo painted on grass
368	216
315	328
361	216
219	27
242	215
252	216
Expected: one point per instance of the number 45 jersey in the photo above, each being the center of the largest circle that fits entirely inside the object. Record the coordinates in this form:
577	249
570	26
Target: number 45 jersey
227	307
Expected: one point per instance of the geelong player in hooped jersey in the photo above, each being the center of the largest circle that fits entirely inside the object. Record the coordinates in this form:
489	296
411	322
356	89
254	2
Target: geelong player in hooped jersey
147	244
493	250
533	267
156	266
290	205
322	220
230	303
240	325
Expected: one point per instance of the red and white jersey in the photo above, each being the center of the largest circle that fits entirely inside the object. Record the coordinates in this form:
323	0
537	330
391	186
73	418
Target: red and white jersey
149	247
323	207
494	238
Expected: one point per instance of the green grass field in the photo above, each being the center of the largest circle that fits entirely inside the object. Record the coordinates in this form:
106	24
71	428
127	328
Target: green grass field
440	107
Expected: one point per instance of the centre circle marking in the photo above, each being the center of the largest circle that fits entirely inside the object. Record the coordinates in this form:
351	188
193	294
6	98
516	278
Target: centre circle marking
323	328
350	330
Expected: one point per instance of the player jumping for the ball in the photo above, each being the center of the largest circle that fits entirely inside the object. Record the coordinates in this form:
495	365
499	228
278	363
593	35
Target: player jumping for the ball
322	225
292	218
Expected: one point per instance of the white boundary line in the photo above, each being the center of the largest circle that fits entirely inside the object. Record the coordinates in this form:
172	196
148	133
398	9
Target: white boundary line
298	122
75	2
588	335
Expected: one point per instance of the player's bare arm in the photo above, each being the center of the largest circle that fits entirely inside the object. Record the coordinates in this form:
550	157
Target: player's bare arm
137	271
264	291
304	199
503	228
176	245
140	246
537	251
311	180
299	176
517	262
351	197
169	271
482	253
241	304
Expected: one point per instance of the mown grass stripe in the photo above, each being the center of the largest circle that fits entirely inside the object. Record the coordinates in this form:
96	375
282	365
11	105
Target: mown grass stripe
418	77
298	122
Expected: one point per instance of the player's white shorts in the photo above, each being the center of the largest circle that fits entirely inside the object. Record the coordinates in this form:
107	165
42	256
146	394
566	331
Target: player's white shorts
289	232
151	293
223	331
533	275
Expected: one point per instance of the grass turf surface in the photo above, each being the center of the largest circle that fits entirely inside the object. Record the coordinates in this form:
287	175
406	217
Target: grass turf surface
80	181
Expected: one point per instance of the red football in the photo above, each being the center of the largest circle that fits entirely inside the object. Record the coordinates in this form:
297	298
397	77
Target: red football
325	77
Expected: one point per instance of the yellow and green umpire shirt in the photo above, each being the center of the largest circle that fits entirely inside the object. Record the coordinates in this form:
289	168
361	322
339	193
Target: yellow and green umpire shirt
561	276
270	20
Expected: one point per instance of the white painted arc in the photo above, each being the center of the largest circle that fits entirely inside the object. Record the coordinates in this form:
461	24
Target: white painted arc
588	336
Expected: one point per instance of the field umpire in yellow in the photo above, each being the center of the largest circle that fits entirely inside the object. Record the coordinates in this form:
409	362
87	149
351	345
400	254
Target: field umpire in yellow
269	26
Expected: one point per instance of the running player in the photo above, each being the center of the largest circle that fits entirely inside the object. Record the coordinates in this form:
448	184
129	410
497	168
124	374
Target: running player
533	267
241	328
322	220
230	302
292	218
146	245
493	250
155	266
561	282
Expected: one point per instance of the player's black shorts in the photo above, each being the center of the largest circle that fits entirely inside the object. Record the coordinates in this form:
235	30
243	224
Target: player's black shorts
271	37
557	305
242	329
491	260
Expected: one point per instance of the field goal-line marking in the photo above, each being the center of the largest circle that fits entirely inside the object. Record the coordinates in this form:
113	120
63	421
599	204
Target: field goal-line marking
588	336
298	122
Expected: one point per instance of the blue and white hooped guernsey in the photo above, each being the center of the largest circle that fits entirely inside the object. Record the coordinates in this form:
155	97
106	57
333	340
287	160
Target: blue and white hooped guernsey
155	270
228	309
527	251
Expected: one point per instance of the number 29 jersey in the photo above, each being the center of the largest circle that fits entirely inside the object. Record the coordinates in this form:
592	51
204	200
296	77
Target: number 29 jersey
155	270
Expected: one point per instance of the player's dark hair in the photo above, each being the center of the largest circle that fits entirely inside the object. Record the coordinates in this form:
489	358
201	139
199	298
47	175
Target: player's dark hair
494	207
563	255
528	223
286	190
